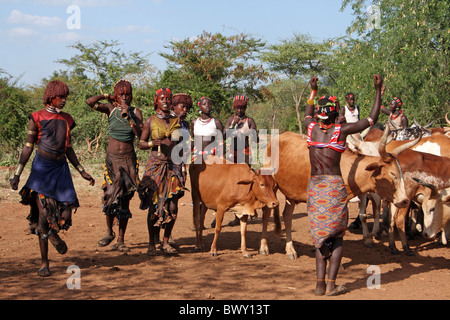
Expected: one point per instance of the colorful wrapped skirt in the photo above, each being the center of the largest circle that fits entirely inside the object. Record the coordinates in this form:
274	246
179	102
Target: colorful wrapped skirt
120	181
51	180
327	208
162	180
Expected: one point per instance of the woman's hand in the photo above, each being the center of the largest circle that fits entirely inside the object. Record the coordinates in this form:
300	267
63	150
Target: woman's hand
87	176
377	81
313	83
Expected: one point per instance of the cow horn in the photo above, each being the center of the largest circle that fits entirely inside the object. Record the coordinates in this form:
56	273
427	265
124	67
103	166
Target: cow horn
365	132
382	146
434	190
429	125
354	141
446	118
407	145
416	123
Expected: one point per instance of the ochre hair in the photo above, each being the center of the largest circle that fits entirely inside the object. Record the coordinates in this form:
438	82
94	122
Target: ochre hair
123	86
183	98
54	89
158	93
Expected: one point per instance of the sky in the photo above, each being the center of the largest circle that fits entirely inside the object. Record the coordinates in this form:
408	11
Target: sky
36	33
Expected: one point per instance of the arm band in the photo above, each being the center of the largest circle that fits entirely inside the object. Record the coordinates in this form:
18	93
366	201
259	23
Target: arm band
19	169
29	145
32	132
370	121
95	106
80	168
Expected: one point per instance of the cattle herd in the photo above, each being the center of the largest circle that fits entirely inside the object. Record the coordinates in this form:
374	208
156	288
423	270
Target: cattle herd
410	179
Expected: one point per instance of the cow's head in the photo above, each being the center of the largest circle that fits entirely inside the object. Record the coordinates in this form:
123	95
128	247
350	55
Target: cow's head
387	172
263	188
434	203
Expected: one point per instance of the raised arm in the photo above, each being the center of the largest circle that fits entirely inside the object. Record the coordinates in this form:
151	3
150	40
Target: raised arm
309	111
94	104
350	128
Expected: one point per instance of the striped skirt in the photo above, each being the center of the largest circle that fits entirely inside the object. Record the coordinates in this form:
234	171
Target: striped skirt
327	208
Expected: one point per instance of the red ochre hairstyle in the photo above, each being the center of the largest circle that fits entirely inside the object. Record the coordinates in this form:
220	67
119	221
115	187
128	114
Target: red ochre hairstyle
55	89
158	92
123	86
183	98
240	101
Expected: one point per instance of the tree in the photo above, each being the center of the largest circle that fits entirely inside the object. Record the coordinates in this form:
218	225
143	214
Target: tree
297	59
408	45
14	115
216	66
95	69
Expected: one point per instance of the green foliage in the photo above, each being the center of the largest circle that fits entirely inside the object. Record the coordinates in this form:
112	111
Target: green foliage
410	49
14	114
216	66
297	59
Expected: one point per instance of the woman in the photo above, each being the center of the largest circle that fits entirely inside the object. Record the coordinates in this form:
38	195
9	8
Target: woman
242	130
163	182
121	165
327	197
207	133
397	120
49	189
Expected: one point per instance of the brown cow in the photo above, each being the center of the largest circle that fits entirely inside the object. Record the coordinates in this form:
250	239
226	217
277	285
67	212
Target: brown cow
433	168
361	174
228	186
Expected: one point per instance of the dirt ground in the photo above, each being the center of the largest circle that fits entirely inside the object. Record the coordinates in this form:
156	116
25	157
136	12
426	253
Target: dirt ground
191	275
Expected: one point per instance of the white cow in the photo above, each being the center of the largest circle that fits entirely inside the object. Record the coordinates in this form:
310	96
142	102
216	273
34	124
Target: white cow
436	211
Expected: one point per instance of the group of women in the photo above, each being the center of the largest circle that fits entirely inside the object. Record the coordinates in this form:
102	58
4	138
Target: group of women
50	192
49	189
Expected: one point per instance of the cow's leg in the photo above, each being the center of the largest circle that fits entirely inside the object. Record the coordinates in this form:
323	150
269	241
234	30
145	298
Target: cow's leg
392	213
376	207
219	219
264	248
197	223
400	224
368	242
287	215
244	237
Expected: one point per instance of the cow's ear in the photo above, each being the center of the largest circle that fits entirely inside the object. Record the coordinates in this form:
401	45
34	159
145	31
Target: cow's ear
373	166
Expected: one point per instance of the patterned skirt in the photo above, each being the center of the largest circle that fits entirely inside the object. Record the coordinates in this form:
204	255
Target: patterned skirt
120	180
327	208
162	180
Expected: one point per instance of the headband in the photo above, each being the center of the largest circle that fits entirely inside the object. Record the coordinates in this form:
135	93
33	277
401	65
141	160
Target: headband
240	98
327	105
198	103
161	90
398	101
